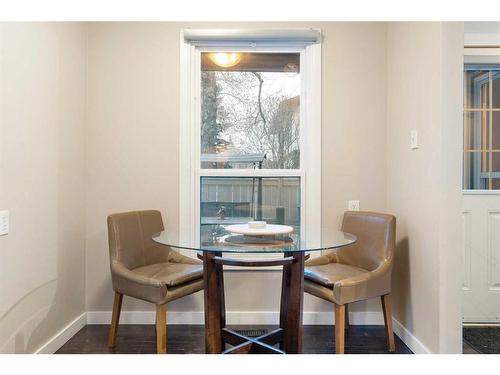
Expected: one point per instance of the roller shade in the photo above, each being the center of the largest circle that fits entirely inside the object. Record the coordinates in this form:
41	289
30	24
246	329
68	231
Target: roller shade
481	63
252	38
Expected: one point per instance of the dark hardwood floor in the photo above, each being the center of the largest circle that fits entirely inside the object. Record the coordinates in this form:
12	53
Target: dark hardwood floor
190	339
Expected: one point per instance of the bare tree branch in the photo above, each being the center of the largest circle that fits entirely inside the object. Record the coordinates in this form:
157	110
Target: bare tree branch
259	97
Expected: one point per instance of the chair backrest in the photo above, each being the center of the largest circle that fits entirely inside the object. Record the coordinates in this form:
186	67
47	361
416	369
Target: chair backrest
376	233
130	240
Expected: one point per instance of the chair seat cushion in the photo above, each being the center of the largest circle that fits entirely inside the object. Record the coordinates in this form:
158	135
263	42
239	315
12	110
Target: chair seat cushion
328	274
172	274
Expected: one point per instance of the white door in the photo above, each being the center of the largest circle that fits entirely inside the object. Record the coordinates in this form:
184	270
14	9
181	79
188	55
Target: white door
481	282
481	184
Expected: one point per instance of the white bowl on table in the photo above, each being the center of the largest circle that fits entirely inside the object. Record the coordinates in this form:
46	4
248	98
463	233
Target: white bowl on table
259	228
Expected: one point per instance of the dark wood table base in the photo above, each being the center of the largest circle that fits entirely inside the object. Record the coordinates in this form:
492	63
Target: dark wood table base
289	335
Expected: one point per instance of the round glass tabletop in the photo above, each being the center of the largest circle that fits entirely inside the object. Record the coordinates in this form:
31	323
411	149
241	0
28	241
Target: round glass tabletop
236	243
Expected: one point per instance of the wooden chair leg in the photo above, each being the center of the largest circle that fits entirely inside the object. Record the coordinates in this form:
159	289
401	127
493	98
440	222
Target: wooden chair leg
115	319
386	306
339	328
161	329
346	317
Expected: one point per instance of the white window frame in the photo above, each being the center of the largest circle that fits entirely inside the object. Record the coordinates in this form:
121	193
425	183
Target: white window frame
287	40
478	55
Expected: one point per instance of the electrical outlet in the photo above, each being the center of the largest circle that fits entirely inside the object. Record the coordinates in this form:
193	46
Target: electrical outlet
4	222
353	205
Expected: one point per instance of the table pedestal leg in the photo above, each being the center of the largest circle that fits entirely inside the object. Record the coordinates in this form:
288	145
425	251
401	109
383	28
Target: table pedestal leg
292	297
215	319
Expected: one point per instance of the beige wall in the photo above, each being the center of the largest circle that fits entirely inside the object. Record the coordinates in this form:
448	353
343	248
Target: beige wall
132	141
424	75
42	113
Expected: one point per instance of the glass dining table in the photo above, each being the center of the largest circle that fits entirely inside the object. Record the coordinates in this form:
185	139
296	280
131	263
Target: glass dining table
236	250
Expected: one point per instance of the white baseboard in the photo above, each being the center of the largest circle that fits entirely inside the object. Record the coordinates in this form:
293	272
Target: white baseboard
232	317
409	339
61	337
145	317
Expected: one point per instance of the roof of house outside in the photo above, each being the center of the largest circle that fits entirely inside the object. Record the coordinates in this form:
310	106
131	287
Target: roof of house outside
225	158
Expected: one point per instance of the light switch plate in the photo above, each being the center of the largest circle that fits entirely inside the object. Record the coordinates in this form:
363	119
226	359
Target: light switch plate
4	222
353	205
413	139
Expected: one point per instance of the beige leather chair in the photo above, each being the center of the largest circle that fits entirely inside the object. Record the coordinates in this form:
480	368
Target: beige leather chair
143	269
357	272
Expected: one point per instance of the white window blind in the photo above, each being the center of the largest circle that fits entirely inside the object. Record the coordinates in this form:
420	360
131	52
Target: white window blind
252	38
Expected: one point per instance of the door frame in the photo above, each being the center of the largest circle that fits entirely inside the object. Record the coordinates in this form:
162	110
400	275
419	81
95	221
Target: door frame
475	55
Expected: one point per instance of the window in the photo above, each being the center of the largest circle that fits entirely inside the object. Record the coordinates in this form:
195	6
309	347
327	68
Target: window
236	200
250	111
481	127
250	145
